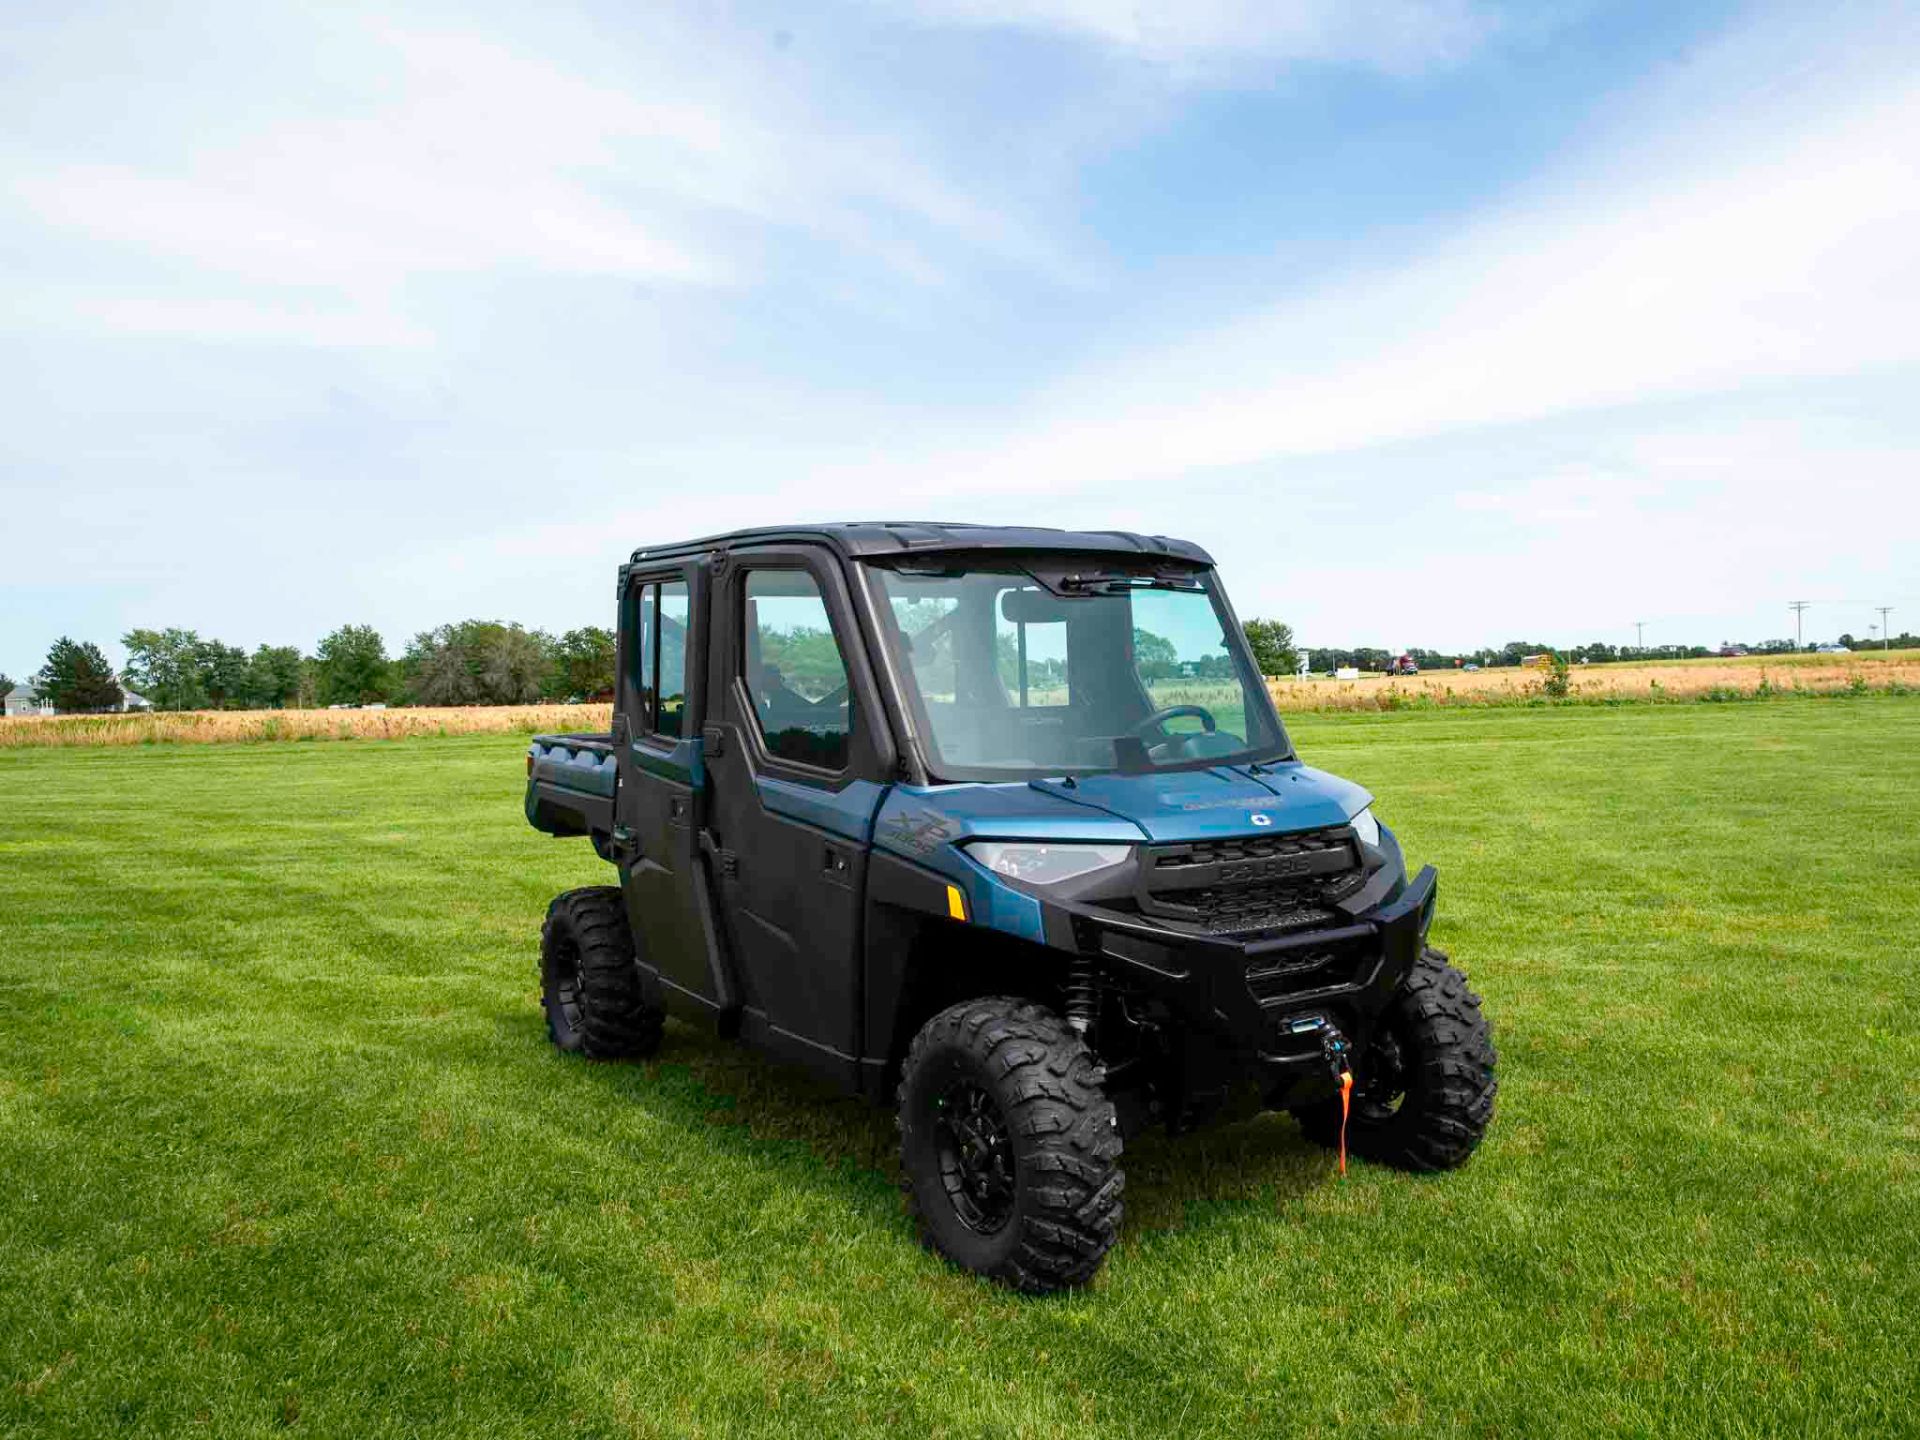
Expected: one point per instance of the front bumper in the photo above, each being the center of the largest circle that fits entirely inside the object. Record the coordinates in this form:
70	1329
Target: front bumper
1256	1001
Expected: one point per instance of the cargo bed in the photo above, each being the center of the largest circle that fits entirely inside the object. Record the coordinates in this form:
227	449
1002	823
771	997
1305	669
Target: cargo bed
570	784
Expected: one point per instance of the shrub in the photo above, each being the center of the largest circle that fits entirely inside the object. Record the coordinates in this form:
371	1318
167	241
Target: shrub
1556	685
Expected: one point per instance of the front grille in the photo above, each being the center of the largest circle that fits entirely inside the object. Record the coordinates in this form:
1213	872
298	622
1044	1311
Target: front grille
1305	970
1260	882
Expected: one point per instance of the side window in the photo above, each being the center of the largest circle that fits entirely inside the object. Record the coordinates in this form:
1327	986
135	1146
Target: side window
658	611
795	674
672	645
646	604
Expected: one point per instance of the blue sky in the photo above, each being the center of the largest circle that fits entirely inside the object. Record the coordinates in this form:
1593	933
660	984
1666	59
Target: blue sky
1438	324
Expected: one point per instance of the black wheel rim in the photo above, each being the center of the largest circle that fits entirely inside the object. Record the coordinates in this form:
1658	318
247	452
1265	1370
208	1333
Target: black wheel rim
1381	1087
563	990
976	1156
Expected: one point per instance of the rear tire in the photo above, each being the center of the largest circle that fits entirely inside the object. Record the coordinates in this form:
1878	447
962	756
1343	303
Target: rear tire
590	982
1011	1148
1423	1092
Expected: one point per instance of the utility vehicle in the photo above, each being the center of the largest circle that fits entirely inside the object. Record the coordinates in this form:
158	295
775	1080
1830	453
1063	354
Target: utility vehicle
1000	825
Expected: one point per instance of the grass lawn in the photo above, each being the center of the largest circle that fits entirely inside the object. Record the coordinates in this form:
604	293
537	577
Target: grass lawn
282	1143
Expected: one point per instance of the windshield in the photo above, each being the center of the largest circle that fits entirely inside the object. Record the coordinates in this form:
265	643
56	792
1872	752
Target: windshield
1020	673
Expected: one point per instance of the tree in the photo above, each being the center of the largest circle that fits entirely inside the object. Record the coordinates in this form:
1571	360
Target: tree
77	677
224	675
6	687
437	670
478	662
1155	656
1273	649
583	662
352	667
274	676
513	665
165	667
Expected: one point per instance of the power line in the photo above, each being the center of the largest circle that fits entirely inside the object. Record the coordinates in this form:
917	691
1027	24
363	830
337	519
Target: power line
1799	608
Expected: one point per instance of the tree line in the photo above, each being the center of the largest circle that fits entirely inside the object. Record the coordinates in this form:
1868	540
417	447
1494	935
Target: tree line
1516	652
490	662
473	662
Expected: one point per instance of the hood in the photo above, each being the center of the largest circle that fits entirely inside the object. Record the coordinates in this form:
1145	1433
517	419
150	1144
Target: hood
1177	806
1187	805
920	821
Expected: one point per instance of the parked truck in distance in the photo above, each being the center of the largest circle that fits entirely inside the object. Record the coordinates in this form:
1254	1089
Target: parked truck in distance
998	826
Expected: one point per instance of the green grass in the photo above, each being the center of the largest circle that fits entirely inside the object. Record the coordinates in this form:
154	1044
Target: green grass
282	1143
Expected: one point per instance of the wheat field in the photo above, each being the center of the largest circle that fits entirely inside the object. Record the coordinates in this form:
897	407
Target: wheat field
213	727
1671	680
1658	680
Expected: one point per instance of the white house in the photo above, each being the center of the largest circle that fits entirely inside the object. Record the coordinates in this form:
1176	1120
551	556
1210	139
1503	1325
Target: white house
23	699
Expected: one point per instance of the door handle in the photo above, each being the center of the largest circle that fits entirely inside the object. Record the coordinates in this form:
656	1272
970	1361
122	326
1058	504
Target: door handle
836	865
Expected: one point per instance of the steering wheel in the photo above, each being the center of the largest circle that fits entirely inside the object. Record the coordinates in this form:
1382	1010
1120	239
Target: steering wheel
1158	719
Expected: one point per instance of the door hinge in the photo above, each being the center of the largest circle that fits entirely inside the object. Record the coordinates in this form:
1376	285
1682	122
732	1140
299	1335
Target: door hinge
713	739
727	860
626	844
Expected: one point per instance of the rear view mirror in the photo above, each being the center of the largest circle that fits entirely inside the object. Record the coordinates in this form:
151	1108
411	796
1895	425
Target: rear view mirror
1033	607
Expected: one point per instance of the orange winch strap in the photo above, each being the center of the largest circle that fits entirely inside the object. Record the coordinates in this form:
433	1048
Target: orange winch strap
1346	1096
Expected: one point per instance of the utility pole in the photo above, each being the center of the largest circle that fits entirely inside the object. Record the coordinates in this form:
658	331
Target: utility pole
1885	629
1640	637
1799	608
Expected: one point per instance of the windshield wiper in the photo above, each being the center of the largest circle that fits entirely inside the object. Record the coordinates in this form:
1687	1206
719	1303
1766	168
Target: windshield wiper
1078	584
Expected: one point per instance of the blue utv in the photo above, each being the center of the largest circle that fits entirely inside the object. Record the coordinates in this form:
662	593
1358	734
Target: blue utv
999	824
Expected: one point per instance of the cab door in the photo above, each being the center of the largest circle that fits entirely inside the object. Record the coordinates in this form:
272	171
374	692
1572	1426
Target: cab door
797	770
656	803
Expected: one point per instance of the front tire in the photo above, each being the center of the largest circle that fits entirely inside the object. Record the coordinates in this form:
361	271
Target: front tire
1423	1092
590	981
1011	1148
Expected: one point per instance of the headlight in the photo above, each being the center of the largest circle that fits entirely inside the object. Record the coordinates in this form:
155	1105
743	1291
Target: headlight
1044	864
1366	827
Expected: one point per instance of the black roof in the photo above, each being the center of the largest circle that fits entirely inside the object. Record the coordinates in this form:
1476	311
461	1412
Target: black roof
879	538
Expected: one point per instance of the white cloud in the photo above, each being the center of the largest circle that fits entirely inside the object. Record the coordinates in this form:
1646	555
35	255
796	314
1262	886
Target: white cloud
127	312
1392	35
666	162
1688	272
479	158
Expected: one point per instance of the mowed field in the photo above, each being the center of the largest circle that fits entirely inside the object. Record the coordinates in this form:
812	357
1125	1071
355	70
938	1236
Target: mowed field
283	1148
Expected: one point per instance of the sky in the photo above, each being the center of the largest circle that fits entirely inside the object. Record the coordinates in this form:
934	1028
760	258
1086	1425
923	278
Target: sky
1437	324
